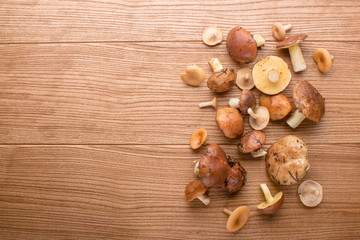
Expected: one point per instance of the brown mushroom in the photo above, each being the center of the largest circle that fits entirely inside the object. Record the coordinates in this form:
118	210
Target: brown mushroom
310	193
212	103
251	142
198	138
272	204
242	46
195	189
247	100
212	36
230	122
237	219
293	44
223	79
244	79
287	160
309	103
278	105
323	59
236	175
193	76
279	31
259	117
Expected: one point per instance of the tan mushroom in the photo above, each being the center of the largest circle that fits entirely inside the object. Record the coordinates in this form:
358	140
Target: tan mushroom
279	31
230	122
247	100
198	138
323	59
223	79
195	189
259	117
251	142
212	36
278	105
272	204
193	76
244	79
212	103
237	219
310	193
293	44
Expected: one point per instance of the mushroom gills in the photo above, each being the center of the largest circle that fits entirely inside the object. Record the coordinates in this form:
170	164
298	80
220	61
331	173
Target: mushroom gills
297	58
296	118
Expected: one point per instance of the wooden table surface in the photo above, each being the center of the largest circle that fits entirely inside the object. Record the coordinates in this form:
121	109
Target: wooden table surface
95	120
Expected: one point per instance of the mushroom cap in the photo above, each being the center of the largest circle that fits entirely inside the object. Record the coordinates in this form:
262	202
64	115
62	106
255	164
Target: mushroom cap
222	80
251	141
261	122
230	122
236	175
323	59
273	206
198	138
241	45
212	36
241	81
310	193
238	219
193	76
287	160
278	31
261	79
308	100
194	189
278	105
293	40
247	100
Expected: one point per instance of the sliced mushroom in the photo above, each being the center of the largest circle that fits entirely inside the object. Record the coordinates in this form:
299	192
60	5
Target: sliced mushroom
323	59
279	31
244	79
310	193
198	138
212	36
272	204
212	103
251	142
293	44
223	79
247	100
230	122
237	219
193	76
195	189
278	105
259	117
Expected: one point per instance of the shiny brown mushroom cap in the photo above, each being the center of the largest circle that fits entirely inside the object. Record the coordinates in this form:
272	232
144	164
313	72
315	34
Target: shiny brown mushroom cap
236	175
251	141
278	105
290	41
241	45
222	80
230	122
308	100
238	219
247	100
287	160
194	189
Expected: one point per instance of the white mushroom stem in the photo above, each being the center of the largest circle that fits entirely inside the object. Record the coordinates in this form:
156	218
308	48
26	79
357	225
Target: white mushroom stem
227	211
258	117
196	169
258	153
234	102
215	64
267	193
297	58
273	75
296	118
287	27
208	104
205	199
260	41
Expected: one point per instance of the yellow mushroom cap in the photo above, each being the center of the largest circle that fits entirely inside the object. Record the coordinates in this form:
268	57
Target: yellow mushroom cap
193	76
238	219
198	138
323	59
267	66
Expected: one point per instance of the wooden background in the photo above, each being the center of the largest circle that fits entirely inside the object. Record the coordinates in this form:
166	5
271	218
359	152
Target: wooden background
95	121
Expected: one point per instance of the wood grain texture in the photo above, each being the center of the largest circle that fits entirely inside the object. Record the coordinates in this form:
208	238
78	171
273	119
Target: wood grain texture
130	192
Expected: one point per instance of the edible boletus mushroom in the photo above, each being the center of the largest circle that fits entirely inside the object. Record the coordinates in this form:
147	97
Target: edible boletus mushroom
323	59
309	103
271	75
237	218
193	76
247	100
251	142
279	30
278	105
230	122
244	79
198	138
310	193
293	44
259	117
212	36
287	160
223	79
195	189
242	45
212	103
272	204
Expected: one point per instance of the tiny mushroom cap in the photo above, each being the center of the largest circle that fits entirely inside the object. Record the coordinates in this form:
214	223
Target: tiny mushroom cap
237	218
309	103
247	100
287	160
244	79
198	138
293	43
193	76
212	36
310	193
278	105
195	189
251	141
259	118
271	75
323	59
279	31
230	122
272	204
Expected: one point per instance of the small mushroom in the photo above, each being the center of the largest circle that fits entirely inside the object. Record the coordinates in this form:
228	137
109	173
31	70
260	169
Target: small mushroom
244	79
236	175
237	219
242	45
259	117
251	142
212	36
279	30
278	105
323	59
230	122
193	76
293	44
223	79
287	160
309	103
198	138
247	100
195	189
212	103
272	204
310	193
271	75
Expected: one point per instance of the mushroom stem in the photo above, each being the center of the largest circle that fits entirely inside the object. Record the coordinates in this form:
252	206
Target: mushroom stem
258	153
227	211
234	102
215	64
260	41
296	118
287	27
252	113
196	169
205	199
273	75
267	193
297	58
208	104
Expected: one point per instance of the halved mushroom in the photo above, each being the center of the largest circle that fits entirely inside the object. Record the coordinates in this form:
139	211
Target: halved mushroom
212	103
223	79
247	100
244	79
309	103
195	189
279	31
310	193
272	204
251	142
212	36
259	117
293	44
193	76
323	59
198	138
237	219
278	105
230	122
